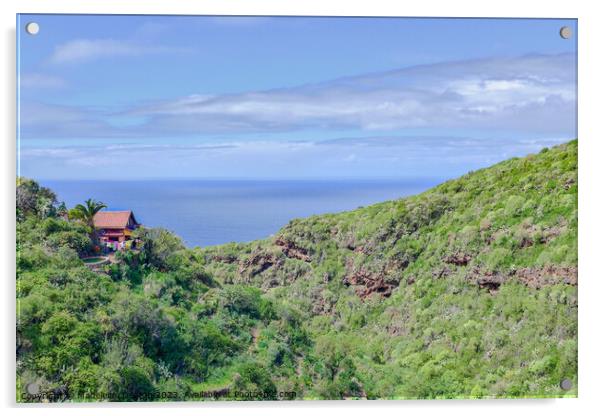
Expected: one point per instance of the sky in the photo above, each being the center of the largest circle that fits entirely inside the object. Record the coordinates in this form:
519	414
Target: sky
168	97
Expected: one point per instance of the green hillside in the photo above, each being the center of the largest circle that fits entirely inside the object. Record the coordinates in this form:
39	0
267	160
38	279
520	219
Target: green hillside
466	290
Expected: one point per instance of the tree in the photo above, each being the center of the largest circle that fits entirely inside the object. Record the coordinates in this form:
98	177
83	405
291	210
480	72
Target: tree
33	199
87	212
158	245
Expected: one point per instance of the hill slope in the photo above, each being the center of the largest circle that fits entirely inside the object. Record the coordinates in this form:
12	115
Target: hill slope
466	290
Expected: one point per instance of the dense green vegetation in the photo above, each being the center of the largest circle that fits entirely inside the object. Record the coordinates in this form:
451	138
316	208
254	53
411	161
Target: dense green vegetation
467	290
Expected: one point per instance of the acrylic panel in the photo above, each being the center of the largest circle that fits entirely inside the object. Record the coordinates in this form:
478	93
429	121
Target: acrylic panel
295	208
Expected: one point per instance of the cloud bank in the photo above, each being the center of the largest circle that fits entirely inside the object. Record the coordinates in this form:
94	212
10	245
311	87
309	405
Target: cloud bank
535	93
366	157
530	94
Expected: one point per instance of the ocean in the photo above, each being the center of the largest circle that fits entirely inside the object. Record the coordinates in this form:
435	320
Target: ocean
211	212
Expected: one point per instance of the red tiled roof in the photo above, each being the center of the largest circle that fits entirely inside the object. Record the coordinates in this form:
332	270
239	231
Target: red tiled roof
112	219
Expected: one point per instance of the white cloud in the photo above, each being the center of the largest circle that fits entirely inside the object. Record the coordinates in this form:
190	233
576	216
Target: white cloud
35	80
377	156
534	93
83	50
530	95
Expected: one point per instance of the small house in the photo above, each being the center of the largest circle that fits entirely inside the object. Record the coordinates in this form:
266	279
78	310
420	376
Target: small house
115	227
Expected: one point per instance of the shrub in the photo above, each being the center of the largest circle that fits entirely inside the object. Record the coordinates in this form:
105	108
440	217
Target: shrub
77	241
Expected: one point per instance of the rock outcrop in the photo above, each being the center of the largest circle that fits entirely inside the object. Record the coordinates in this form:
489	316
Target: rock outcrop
538	277
458	259
533	277
291	250
366	284
257	263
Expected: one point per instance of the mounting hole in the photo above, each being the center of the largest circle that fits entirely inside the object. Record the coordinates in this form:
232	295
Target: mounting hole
32	28
566	32
566	384
32	388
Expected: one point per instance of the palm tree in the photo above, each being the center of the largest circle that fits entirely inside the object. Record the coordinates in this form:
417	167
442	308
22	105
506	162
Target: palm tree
87	212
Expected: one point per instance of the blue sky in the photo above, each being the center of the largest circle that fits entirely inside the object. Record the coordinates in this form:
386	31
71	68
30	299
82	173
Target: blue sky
108	97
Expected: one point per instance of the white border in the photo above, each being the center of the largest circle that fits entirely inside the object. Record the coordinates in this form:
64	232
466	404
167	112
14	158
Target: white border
590	290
